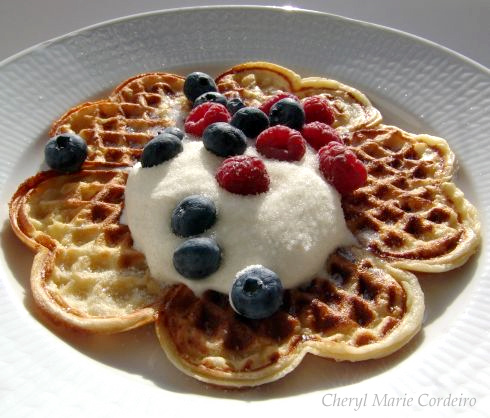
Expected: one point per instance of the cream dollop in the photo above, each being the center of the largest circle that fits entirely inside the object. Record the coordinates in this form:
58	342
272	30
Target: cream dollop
291	229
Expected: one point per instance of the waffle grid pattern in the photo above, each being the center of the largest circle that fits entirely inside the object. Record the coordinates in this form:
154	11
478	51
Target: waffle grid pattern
365	309
409	209
340	317
94	271
254	83
117	129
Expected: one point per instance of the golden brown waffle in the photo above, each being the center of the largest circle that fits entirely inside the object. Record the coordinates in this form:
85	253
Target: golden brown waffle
116	129
365	309
409	211
85	275
255	82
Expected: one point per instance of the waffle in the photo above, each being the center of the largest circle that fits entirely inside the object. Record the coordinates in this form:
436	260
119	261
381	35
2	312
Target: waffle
255	82
116	129
365	309
410	212
85	274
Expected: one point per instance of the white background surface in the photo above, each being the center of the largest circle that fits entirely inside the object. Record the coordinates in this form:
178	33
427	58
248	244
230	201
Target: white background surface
461	25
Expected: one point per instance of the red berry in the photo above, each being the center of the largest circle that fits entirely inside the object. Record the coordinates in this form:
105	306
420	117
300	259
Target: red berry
204	115
243	175
282	143
342	168
266	106
318	109
319	134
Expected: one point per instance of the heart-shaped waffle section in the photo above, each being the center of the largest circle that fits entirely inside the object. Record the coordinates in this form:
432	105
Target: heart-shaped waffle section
255	82
409	211
86	274
365	309
117	129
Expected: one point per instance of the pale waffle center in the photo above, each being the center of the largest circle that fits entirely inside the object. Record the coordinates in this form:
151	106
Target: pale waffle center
96	270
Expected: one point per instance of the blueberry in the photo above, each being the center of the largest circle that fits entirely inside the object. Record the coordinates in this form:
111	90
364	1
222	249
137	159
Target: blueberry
161	148
233	105
197	258
198	83
210	96
251	120
193	215
174	131
287	112
224	140
65	152
256	292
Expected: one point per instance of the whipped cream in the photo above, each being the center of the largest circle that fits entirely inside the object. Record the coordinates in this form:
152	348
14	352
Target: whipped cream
291	229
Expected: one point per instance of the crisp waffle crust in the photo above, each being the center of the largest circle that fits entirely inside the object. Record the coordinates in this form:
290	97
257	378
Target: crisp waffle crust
87	276
410	212
116	129
365	309
255	82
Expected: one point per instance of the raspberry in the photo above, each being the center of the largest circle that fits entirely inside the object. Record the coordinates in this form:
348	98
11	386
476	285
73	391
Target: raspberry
266	106
204	115
282	143
342	168
319	134
318	109
243	175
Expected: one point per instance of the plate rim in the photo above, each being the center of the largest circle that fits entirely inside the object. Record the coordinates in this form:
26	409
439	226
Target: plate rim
286	9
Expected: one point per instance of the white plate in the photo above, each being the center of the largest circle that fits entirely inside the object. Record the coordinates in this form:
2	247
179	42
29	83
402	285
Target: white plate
417	85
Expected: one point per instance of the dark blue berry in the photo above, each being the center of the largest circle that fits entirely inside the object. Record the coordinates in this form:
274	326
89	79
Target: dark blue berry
65	152
174	131
163	147
224	140
250	120
256	292
211	96
193	215
233	105
287	112
198	83
197	258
